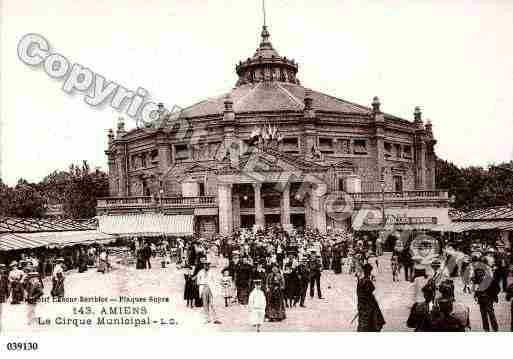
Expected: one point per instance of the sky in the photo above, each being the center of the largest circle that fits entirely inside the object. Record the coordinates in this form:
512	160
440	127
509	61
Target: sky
452	58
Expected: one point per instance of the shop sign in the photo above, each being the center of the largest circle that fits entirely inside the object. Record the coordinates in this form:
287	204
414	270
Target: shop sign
391	219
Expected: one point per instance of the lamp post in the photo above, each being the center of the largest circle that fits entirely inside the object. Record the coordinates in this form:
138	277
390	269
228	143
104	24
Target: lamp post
382	183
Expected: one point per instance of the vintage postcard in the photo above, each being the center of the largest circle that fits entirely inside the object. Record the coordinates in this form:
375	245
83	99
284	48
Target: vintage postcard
255	166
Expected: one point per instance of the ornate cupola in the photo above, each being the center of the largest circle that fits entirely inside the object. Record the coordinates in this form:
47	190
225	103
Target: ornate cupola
266	65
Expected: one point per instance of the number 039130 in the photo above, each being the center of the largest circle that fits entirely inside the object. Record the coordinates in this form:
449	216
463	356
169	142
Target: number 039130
20	346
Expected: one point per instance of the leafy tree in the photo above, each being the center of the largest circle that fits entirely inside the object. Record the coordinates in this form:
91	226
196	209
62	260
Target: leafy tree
26	201
476	187
5	199
76	189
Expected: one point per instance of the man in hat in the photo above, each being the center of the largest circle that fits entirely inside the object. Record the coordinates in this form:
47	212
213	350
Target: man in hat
303	279
509	297
420	315
33	287
206	284
436	277
502	270
442	319
486	294
256	305
146	253
315	269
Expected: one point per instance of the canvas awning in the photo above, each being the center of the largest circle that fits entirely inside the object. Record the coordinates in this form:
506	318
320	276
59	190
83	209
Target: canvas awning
14	241
464	226
150	224
400	227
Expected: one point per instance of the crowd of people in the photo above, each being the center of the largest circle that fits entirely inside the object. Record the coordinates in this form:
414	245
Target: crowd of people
282	266
22	280
483	271
270	272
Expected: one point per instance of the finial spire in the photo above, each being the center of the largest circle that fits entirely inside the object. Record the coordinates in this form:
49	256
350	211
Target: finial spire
265	33
263	9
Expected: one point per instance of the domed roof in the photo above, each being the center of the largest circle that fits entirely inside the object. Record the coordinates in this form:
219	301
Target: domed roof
272	96
268	83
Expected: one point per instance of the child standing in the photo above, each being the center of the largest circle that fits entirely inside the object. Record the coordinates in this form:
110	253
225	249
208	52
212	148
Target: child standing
256	305
467	273
394	261
227	286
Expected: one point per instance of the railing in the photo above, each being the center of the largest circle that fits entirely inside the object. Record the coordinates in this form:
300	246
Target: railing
405	195
155	201
190	201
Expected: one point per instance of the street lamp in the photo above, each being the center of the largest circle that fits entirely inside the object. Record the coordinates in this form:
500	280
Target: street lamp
382	184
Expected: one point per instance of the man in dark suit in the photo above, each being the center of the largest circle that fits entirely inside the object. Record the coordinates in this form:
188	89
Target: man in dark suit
146	253
406	261
509	296
502	271
315	269
304	279
486	296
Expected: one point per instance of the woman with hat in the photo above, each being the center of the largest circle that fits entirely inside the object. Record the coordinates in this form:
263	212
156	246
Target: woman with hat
275	310
206	284
58	279
16	278
370	317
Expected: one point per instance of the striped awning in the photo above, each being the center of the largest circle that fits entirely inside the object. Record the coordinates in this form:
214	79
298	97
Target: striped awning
464	226
150	224
13	241
400	227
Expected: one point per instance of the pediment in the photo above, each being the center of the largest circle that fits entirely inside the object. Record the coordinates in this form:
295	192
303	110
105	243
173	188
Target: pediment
272	160
401	168
200	167
345	164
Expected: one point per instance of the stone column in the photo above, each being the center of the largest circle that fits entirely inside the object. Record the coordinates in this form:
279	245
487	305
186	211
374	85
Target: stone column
317	193
307	202
420	149
285	208
236	210
259	206
379	123
224	196
122	175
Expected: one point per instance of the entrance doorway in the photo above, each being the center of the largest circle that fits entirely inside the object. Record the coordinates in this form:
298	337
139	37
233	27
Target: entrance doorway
297	220
247	221
272	219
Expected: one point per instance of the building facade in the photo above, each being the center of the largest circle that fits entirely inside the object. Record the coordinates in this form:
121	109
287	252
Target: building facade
272	151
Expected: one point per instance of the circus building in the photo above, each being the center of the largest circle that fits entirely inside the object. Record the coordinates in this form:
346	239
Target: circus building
271	151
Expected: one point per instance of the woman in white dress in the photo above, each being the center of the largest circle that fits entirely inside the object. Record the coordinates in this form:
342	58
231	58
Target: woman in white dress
256	305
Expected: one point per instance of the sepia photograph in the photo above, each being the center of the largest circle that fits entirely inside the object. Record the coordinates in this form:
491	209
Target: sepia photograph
255	166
